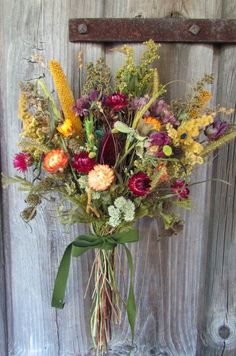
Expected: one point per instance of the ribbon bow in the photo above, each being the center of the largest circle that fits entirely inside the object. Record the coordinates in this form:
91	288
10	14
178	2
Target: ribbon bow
84	243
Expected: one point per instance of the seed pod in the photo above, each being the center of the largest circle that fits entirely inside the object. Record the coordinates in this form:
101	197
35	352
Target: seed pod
28	213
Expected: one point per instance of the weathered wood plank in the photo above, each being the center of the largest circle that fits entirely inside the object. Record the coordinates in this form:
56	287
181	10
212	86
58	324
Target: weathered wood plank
3	306
168	274
218	326
171	276
33	252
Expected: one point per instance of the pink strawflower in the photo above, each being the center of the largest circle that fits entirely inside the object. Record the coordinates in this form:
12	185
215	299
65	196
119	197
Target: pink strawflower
156	142
139	184
216	130
22	161
180	189
116	101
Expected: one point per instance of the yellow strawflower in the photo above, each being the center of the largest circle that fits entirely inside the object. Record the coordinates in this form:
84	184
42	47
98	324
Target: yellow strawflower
66	98
66	129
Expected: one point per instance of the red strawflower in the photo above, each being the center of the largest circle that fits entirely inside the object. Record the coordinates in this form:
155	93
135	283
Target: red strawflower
83	163
116	101
139	184
22	161
179	187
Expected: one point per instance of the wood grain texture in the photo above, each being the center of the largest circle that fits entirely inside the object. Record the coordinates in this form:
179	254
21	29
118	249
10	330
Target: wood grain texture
3	313
217	322
185	286
33	252
168	274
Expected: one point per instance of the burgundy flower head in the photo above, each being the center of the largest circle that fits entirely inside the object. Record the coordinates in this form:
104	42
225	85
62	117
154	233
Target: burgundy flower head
139	184
82	163
216	129
93	95
116	101
110	147
22	161
179	187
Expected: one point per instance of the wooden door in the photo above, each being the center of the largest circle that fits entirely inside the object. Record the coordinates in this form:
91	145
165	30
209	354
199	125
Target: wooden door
185	286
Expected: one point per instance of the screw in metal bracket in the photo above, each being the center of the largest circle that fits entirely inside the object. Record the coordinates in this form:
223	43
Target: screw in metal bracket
83	28
194	29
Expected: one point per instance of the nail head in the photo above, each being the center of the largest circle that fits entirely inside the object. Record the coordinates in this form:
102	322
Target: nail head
194	29
83	28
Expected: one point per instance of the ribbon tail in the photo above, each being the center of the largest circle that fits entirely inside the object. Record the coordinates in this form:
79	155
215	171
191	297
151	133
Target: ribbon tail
131	307
61	279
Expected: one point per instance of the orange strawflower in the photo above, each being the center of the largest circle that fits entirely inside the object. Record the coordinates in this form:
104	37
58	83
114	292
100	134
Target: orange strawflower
165	176
154	122
66	98
55	161
101	177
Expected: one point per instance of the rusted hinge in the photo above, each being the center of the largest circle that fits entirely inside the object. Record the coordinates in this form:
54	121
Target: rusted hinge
160	30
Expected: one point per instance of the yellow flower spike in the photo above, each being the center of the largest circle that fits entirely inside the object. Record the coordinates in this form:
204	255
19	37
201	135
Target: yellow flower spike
22	105
65	96
204	97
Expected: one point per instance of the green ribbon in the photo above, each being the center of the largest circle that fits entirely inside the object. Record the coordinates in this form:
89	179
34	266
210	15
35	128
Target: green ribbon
84	243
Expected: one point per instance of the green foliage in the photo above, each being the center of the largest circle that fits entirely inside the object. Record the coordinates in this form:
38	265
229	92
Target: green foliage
132	79
98	77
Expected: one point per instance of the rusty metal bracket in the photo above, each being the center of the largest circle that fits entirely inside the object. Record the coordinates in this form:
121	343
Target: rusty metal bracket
160	30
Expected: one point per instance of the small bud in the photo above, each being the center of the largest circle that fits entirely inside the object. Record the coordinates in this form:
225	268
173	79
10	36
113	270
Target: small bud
92	154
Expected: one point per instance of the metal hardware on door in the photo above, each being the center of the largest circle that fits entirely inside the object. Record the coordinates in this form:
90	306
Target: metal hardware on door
219	31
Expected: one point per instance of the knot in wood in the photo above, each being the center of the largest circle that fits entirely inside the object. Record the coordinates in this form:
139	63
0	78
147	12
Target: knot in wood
224	332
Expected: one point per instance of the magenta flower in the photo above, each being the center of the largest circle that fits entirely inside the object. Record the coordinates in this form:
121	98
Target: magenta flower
93	95
138	102
82	106
116	101
161	110
140	184
216	129
156	142
179	188
82	163
22	161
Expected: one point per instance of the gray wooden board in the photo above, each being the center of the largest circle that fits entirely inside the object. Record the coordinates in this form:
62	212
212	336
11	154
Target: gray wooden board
185	286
